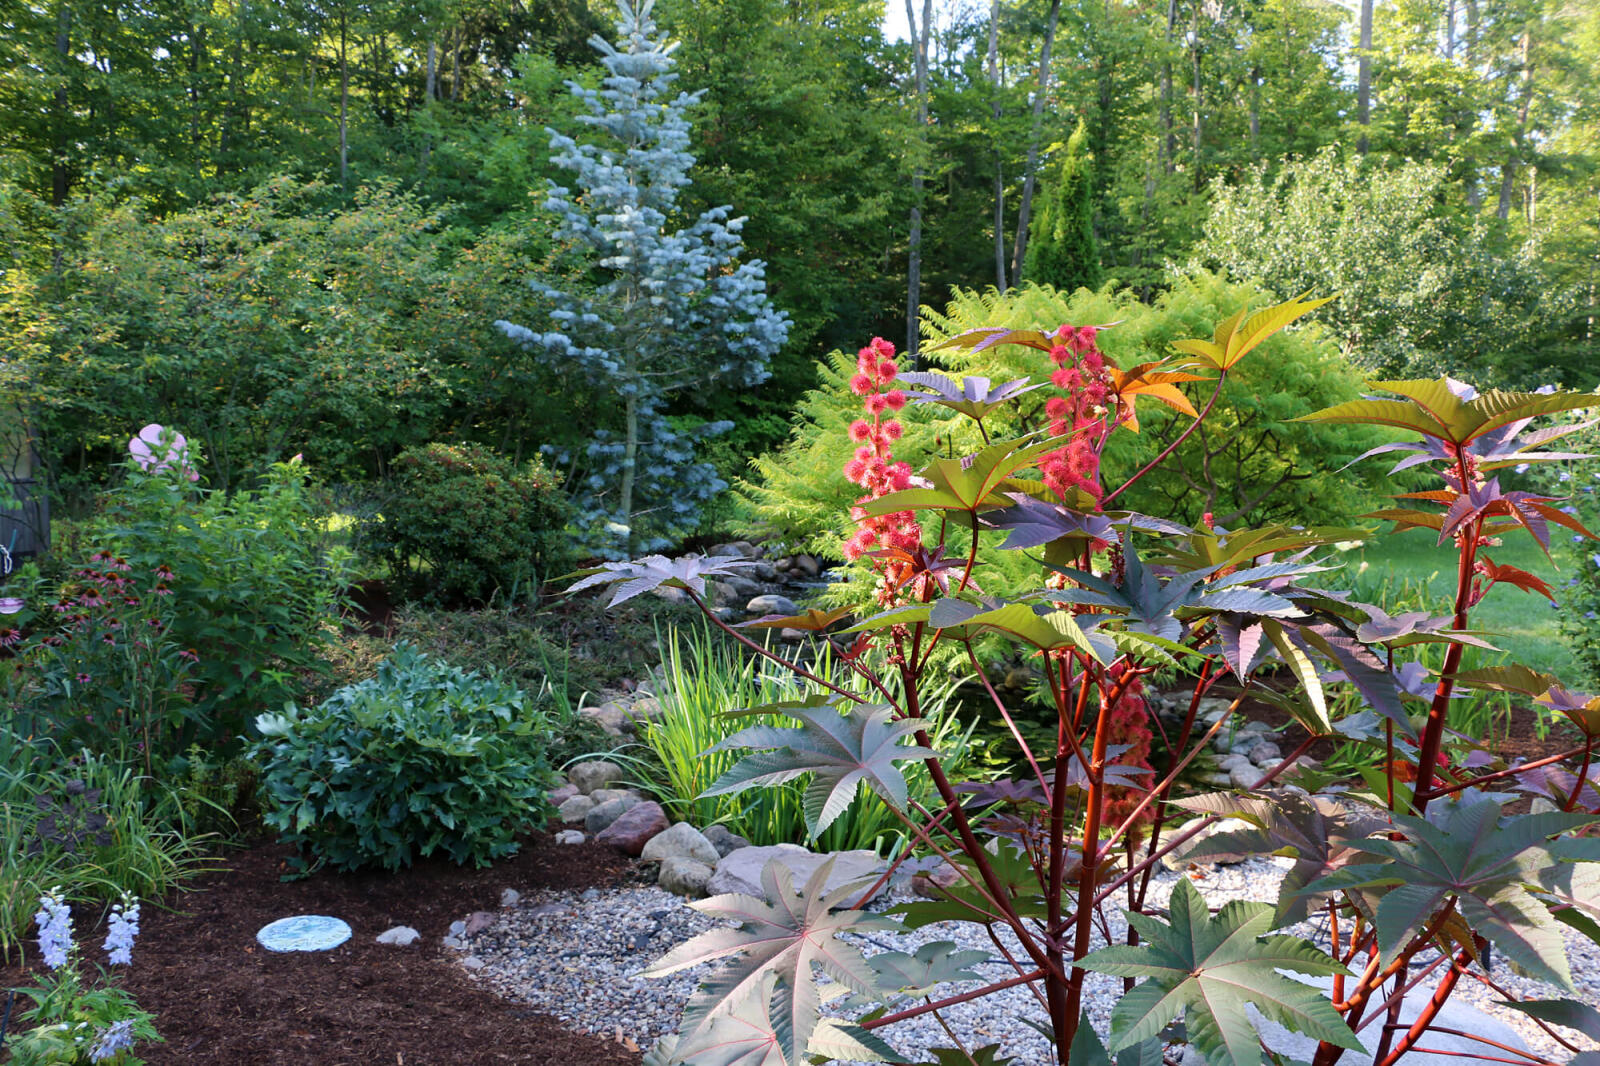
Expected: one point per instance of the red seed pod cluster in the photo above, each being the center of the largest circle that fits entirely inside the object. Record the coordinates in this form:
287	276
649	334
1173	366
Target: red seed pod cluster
1080	415
873	466
1129	723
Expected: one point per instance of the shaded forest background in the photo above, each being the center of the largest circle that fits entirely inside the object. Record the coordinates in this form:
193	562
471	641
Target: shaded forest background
288	226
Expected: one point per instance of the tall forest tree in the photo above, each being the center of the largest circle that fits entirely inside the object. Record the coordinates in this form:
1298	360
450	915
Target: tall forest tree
675	312
1061	250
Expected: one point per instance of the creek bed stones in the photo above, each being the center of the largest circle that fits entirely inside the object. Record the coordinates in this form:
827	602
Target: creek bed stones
578	958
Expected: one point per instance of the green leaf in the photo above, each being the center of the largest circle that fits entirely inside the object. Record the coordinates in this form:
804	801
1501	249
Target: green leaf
1305	671
1570	1013
934	964
966	484
1488	862
1210	969
766	986
840	751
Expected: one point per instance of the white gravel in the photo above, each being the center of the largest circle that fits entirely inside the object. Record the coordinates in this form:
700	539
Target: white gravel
577	958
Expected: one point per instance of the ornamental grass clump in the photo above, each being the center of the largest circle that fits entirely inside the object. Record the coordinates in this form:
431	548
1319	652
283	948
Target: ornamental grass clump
1418	864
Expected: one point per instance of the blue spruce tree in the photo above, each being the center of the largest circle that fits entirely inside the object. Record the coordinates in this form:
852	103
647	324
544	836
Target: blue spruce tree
672	309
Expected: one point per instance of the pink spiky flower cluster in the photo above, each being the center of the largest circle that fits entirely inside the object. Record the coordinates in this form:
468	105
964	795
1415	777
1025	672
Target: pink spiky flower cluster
1080	415
873	466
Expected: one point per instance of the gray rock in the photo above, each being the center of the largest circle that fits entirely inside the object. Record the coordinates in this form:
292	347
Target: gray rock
1266	754
454	943
771	603
1245	777
683	876
741	549
478	921
723	839
593	774
741	587
611	717
792	636
472	962
645	708
740	871
1229	763
575	809
562	794
1452	1050
605	813
569	836
763	571
401	936
1221	780
606	795
670	594
807	565
1243	742
681	841
1211	708
509	897
458	928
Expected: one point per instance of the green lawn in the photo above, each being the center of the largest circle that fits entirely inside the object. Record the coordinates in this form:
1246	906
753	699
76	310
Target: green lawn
1523	624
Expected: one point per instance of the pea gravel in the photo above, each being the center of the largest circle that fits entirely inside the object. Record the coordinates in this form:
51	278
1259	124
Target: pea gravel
577	957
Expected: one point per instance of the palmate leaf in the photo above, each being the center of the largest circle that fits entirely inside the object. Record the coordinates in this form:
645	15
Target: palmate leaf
811	620
1211	969
638	576
1218	549
934	964
1236	336
960	902
1311	829
973	396
1449	411
840	751
1581	709
988	336
1570	1013
987	1055
1153	381
965	484
1486	861
767	977
1087	1050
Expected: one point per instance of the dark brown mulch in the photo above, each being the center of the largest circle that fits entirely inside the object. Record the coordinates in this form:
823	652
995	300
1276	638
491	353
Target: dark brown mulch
219	998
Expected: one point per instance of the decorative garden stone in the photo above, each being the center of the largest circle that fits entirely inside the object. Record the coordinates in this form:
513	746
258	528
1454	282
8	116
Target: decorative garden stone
304	932
593	774
682	841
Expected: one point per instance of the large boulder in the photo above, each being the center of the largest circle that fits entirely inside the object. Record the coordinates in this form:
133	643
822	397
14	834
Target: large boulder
593	774
682	841
575	809
724	839
605	813
740	871
634	828
684	877
772	603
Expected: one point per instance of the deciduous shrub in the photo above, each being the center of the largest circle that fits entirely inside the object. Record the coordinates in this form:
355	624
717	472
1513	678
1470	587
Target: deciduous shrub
424	758
465	523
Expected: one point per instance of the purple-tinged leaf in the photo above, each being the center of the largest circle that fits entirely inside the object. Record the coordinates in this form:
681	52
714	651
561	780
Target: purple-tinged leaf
973	396
638	576
1032	523
1241	645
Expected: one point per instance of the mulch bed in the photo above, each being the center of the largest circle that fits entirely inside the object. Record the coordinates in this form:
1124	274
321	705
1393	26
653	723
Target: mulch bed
219	998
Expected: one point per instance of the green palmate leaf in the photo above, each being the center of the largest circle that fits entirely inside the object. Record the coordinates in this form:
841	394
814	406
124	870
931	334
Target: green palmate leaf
966	484
1210	969
840	751
1206	548
1570	1013
1236	336
1448	411
811	620
1487	862
961	902
989	336
1044	628
987	1055
1311	829
1305	671
933	964
1511	678
908	615
766	980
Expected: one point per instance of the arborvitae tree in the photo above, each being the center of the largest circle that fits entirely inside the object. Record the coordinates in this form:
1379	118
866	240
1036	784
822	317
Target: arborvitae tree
671	309
1061	245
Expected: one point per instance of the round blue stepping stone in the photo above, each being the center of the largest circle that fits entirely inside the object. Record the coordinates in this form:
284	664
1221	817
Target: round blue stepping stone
304	932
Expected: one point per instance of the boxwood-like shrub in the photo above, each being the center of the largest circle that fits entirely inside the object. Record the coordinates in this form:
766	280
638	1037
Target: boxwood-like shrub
424	758
463	521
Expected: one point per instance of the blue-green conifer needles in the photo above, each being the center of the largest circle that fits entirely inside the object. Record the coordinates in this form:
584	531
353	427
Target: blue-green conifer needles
667	309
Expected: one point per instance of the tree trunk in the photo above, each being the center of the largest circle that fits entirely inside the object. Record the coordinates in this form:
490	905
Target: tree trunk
344	102
919	37
630	459
1199	100
1255	113
999	162
59	176
430	93
1508	170
197	52
1364	77
1168	147
1019	248
225	141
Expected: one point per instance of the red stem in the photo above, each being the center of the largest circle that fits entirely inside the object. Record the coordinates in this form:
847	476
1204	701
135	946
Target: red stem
1169	449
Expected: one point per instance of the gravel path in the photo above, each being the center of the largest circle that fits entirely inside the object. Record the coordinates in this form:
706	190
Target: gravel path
577	957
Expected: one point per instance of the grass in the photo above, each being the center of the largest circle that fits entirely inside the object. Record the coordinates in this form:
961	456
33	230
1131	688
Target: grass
1523	625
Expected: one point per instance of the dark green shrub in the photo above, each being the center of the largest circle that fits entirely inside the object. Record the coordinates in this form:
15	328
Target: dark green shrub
422	758
465	522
